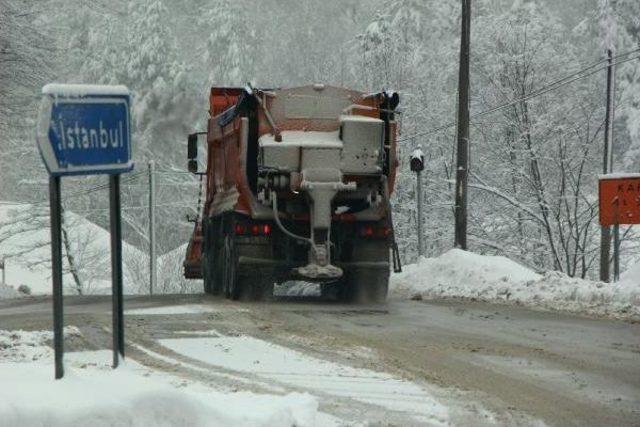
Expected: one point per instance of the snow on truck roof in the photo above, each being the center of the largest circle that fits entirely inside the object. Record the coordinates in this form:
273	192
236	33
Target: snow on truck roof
61	89
313	138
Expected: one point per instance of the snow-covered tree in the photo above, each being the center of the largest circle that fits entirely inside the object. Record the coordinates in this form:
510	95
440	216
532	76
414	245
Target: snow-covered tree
230	49
170	52
535	158
25	63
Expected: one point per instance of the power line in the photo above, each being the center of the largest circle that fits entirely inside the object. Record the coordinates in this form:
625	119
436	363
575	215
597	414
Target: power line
124	181
172	172
143	207
620	55
89	190
102	186
580	71
548	88
167	184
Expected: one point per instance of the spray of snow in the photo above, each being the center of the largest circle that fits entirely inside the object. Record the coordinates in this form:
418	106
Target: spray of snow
297	288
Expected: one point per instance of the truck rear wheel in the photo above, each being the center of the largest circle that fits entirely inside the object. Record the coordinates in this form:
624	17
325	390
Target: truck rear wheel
206	274
210	262
229	268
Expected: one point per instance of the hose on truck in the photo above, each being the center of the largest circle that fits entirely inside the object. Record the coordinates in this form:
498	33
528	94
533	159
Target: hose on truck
276	216
397	264
395	253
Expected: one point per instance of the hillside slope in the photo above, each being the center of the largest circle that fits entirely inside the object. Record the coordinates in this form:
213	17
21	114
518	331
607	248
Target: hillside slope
25	244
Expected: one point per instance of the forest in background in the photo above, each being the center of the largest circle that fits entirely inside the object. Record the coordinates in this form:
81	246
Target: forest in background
534	164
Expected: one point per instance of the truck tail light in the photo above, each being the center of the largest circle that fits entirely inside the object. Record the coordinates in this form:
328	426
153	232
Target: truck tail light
375	231
253	229
367	231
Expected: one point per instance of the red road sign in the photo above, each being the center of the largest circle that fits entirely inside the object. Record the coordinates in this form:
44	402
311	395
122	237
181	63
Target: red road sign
619	199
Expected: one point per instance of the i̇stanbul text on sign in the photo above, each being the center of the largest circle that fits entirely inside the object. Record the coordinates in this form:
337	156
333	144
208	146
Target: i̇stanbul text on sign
85	129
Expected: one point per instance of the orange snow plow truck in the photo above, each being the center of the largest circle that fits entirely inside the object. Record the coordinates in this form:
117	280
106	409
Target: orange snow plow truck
297	186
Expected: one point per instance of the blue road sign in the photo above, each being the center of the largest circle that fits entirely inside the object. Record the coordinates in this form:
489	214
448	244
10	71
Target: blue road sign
85	129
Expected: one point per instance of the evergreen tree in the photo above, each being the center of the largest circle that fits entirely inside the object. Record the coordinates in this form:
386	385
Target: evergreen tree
230	48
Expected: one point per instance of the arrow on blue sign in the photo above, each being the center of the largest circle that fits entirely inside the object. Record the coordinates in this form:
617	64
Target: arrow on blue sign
85	129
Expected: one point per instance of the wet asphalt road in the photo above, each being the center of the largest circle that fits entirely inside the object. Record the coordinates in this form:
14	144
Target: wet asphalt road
519	365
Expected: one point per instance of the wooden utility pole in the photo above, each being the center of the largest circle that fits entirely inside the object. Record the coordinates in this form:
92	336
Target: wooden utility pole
462	155
607	166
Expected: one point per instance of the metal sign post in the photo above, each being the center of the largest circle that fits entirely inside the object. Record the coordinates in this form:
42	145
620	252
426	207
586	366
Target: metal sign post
417	166
56	267
3	266
85	130
420	219
116	268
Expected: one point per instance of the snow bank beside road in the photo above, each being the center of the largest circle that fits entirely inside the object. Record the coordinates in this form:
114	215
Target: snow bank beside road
92	393
462	269
30	397
461	274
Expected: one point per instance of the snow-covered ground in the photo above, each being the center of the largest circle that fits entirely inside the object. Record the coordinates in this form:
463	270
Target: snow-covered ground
172	309
461	274
25	244
136	395
274	363
91	393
